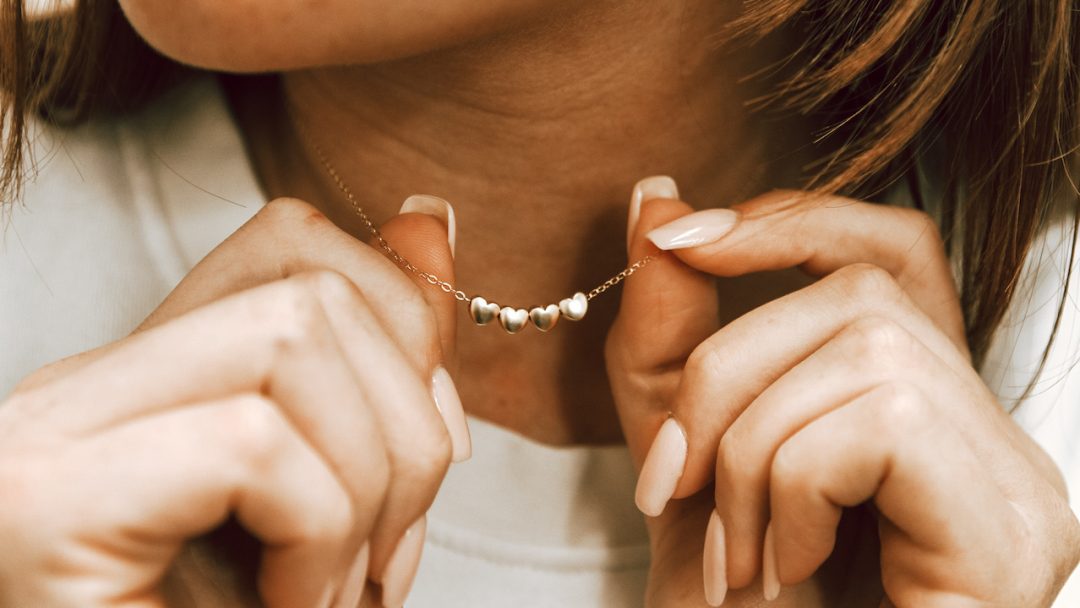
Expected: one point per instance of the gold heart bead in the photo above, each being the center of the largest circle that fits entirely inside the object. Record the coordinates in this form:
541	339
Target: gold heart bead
482	311
544	317
574	308
513	319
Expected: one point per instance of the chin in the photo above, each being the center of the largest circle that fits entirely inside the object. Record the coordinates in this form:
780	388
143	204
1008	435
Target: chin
277	35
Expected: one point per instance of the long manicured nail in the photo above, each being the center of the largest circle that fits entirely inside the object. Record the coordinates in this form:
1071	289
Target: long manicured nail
715	561
662	469
353	589
657	186
400	571
700	228
453	414
770	577
433	205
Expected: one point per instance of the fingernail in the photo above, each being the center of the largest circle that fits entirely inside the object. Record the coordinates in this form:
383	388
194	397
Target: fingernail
700	228
658	186
715	561
400	571
433	205
770	578
355	581
453	414
662	469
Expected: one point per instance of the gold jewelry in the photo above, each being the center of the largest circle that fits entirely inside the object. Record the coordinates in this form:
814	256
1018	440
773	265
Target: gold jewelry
481	311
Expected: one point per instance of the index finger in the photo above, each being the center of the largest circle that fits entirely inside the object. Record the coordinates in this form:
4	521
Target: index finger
290	237
819	235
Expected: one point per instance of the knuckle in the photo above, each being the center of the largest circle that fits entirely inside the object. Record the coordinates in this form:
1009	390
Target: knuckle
428	459
878	341
902	410
922	226
288	209
296	315
256	431
922	239
704	361
328	285
333	525
866	284
787	473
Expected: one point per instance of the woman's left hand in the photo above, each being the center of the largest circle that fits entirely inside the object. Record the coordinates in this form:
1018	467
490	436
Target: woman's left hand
856	389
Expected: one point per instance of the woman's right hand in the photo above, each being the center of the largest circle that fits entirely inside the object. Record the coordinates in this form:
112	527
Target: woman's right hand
293	382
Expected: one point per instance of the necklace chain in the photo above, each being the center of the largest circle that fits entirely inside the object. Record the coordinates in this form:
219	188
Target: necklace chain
369	224
431	278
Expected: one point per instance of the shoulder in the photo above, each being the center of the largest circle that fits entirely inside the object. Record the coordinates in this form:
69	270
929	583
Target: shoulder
113	214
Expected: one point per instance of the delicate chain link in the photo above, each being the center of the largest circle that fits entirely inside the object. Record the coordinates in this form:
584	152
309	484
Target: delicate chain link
619	278
408	266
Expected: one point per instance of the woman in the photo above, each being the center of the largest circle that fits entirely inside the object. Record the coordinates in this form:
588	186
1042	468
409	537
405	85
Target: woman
793	370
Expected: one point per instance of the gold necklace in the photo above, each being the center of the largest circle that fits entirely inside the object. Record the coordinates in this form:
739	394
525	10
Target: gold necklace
481	310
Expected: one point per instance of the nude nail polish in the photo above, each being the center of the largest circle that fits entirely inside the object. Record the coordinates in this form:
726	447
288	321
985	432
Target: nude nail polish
662	469
352	590
433	205
694	230
401	569
449	405
714	561
770	577
657	186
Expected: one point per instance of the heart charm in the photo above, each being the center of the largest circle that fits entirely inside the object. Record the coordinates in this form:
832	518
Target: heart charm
544	317
513	319
482	311
574	308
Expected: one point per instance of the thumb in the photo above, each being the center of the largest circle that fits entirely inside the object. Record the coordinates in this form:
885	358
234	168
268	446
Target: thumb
667	309
423	233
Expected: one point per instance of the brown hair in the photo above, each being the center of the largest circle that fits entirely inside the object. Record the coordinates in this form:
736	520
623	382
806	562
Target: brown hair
991	84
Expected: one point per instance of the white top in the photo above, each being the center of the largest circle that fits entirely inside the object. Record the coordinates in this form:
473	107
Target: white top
119	212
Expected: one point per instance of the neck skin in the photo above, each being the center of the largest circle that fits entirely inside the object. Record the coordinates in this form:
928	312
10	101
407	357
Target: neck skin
536	136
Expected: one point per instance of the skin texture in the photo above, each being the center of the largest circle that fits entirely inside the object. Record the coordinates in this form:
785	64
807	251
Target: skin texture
857	388
255	36
536	160
268	350
534	118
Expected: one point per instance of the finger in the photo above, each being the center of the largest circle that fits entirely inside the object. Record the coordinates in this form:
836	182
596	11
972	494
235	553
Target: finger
424	233
313	345
888	445
335	369
290	237
274	339
665	311
250	462
417	439
732	367
865	354
676	565
726	372
821	234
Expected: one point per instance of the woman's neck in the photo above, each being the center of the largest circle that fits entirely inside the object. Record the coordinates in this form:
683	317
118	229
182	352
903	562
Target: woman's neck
536	137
